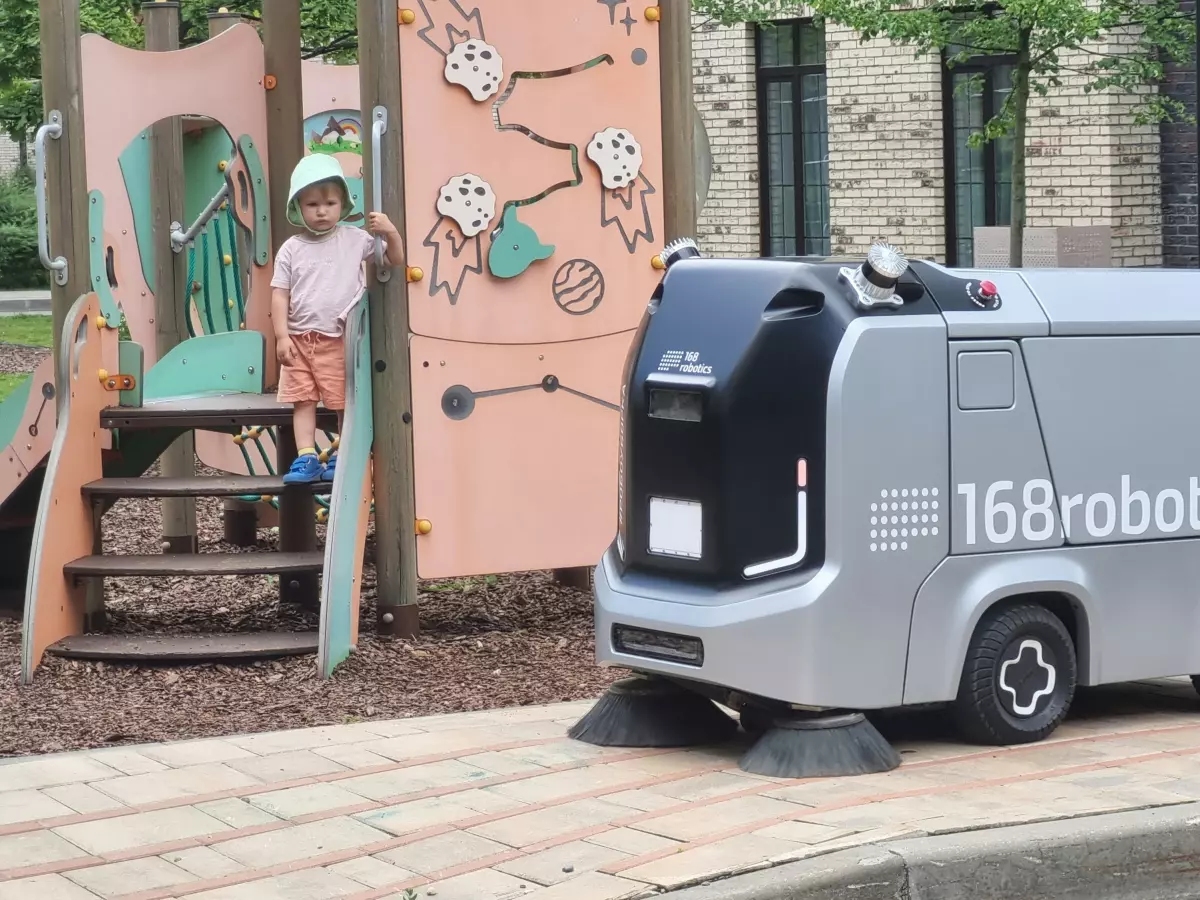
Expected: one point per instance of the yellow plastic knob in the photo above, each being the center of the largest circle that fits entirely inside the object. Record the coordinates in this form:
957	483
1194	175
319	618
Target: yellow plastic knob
415	273
424	526
229	303
407	17
322	515
101	322
656	262
228	259
223	165
102	375
653	14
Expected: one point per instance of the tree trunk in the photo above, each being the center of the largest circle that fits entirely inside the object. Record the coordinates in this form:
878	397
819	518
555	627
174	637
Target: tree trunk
1020	98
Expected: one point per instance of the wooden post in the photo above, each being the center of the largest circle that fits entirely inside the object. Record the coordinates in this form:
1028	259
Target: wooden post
395	509
66	171
239	517
285	147
678	128
161	21
285	110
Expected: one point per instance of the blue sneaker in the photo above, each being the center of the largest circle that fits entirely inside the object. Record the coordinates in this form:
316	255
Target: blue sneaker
305	470
330	468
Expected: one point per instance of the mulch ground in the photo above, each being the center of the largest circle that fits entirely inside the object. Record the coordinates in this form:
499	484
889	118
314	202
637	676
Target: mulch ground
503	640
17	359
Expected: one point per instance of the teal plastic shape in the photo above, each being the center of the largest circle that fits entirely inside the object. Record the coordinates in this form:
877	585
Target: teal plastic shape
343	559
98	260
515	247
203	151
132	360
258	186
229	362
12	410
135	170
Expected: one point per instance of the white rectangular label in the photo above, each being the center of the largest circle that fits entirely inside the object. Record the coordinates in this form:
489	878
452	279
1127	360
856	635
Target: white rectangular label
675	527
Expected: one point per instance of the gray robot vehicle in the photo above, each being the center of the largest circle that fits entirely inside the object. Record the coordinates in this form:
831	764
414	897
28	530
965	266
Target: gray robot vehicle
860	487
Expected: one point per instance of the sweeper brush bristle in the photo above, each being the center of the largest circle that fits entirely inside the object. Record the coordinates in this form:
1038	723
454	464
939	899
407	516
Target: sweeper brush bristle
795	747
643	712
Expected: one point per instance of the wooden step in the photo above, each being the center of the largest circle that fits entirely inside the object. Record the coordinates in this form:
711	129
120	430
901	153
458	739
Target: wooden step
217	486
196	564
222	412
185	647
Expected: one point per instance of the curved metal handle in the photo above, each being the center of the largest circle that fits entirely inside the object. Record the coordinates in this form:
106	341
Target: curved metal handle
52	129
378	129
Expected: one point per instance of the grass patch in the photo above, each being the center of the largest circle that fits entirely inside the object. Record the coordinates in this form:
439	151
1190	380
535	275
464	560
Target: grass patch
36	331
8	384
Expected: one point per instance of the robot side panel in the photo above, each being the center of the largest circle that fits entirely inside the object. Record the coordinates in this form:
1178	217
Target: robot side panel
888	453
1121	421
1003	494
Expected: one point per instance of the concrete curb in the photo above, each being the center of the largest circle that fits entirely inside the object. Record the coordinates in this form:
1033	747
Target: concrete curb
1150	854
18	302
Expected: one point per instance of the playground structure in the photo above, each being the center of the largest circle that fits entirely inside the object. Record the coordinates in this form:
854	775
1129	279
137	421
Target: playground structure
494	361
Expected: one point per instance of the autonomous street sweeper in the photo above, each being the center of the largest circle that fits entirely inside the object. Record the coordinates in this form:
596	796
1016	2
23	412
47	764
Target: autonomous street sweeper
846	488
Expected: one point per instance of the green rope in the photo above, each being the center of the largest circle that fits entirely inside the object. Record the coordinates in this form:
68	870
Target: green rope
224	280
237	268
212	329
189	298
266	459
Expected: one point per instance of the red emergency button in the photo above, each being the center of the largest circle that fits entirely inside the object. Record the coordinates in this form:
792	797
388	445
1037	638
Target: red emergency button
987	289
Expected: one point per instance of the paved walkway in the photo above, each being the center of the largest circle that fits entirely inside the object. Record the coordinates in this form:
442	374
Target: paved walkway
499	804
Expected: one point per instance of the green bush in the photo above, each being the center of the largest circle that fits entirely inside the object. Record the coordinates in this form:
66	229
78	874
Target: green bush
19	264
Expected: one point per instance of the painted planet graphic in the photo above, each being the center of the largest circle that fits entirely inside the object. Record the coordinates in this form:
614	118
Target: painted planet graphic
578	287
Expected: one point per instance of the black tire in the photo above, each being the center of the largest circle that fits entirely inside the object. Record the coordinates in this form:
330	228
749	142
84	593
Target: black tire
992	708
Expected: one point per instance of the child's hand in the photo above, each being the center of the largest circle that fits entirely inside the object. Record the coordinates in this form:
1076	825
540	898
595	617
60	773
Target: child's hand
378	223
285	350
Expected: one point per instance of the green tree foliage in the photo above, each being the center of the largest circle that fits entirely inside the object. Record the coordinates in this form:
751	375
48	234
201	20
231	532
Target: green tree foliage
19	264
1113	45
328	28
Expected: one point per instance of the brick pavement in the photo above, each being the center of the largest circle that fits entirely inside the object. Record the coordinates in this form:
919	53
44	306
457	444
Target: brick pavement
499	804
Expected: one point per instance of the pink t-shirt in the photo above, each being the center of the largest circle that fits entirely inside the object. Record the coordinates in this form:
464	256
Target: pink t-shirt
325	276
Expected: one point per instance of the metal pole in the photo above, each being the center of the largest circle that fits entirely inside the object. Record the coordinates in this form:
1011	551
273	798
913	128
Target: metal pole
395	512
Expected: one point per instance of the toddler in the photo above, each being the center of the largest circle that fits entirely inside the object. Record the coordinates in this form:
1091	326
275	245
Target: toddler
319	277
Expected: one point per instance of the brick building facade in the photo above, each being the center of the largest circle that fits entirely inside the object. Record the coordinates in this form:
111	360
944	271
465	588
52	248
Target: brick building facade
822	143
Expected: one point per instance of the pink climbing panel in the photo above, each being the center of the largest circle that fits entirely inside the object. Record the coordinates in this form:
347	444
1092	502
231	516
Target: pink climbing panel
35	432
506	205
516	453
533	205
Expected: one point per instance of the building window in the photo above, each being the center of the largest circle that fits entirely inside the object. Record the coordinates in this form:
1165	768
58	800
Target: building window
793	139
980	179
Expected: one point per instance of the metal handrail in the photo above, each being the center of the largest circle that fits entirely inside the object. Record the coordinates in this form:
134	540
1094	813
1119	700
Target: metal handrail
181	238
52	129
378	129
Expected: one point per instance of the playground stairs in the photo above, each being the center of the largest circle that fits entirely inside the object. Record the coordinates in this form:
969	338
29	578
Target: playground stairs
231	413
105	444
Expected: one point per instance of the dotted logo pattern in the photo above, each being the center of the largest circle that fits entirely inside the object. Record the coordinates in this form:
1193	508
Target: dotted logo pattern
901	515
670	360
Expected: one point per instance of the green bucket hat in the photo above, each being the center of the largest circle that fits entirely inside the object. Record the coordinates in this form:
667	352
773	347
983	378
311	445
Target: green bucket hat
309	171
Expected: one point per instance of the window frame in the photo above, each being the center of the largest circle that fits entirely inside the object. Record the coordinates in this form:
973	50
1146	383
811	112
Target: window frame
985	64
793	74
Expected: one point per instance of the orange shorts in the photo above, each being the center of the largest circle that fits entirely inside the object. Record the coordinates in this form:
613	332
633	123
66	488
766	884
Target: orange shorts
319	372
